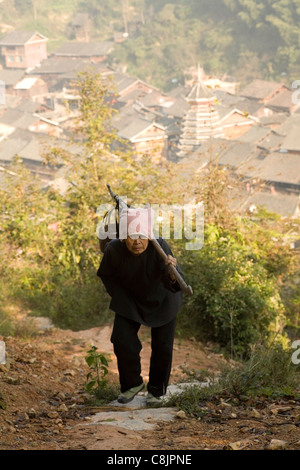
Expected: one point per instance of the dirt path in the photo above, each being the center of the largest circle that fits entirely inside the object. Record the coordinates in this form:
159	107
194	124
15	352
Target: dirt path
41	387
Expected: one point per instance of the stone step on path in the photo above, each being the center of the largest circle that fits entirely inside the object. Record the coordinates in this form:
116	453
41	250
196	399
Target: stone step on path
136	416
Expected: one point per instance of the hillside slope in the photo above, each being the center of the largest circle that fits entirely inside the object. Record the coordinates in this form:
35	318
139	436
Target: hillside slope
44	406
246	39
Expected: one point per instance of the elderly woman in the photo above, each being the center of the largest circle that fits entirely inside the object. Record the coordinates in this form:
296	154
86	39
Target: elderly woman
143	291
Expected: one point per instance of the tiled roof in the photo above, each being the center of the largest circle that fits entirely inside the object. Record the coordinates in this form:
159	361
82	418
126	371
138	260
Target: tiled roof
260	89
178	109
274	119
134	128
26	83
11	77
292	140
283	204
17	118
123	82
28	106
19	38
234	154
276	167
290	122
282	100
255	134
271	142
57	66
14	144
245	105
200	92
84	49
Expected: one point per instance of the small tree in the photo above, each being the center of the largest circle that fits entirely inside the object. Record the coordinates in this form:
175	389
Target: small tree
96	378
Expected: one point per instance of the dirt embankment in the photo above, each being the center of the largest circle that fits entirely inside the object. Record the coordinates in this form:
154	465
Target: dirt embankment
43	405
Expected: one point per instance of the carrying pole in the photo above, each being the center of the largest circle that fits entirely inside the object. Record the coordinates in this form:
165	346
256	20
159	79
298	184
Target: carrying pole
187	289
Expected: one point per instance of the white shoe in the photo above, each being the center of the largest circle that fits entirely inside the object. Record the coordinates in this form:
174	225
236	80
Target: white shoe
129	395
151	400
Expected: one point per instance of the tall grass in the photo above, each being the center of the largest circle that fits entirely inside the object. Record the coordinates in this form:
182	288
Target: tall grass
269	372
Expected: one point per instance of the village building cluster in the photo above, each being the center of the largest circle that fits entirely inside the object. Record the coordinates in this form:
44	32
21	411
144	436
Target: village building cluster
253	131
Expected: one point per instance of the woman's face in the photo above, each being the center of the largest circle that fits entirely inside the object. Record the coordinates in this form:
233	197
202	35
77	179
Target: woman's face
137	246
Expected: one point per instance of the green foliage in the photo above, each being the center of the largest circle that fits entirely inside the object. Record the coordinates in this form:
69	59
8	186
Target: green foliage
268	372
23	5
242	277
239	274
6	326
248	39
49	249
244	38
237	299
96	383
94	125
48	243
98	364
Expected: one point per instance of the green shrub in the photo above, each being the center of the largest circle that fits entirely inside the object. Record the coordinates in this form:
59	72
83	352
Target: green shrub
69	302
97	383
6	326
235	302
268	372
49	251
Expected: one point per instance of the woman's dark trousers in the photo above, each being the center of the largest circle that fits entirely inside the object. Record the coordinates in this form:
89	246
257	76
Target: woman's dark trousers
127	348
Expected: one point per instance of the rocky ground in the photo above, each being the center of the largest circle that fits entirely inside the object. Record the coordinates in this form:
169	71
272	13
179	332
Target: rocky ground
43	405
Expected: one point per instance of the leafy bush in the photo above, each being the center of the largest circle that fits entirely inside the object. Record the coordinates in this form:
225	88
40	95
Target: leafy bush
268	372
235	302
97	383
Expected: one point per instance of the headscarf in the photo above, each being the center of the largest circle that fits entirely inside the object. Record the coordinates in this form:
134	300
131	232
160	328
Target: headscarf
135	221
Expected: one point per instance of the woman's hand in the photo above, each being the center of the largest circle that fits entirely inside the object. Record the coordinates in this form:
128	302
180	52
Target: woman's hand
170	261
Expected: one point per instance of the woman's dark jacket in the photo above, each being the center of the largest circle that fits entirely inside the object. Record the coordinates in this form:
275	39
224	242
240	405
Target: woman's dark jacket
140	286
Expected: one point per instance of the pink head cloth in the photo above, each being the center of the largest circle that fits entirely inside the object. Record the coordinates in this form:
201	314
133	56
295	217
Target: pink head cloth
136	221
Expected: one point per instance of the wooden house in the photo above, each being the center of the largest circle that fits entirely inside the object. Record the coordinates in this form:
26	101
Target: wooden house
145	137
92	51
30	87
10	78
235	123
261	90
23	49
